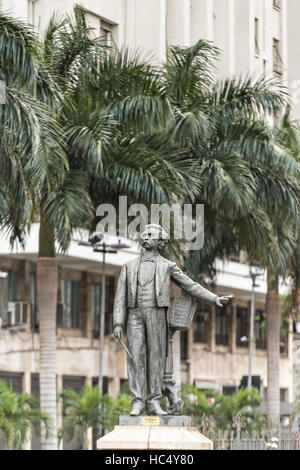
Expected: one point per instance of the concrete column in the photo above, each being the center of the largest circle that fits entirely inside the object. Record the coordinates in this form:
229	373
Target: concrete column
202	18
244	44
59	387
224	36
178	22
26	385
146	27
284	38
268	37
114	386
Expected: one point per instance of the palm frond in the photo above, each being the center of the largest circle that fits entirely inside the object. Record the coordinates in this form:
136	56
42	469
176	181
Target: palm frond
249	97
67	207
18	51
189	71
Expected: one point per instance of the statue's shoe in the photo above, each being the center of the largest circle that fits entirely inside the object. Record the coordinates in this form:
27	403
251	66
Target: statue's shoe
137	408
155	409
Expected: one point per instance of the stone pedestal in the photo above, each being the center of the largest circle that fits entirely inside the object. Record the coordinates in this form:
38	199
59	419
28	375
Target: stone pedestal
154	432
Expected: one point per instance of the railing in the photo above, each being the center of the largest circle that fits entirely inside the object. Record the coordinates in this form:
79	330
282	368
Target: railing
238	439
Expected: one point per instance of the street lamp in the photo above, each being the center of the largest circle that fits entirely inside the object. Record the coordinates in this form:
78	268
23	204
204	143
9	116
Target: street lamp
100	246
254	273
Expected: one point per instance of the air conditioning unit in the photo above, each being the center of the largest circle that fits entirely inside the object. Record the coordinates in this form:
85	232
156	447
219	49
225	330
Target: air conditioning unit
16	313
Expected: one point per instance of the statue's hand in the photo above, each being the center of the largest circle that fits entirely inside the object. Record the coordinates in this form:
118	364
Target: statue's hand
118	332
223	300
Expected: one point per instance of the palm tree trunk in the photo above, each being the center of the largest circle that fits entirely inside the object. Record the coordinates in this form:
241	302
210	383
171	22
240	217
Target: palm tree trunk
47	283
273	308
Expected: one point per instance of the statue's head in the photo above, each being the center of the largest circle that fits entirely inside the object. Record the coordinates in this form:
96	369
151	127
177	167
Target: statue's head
154	237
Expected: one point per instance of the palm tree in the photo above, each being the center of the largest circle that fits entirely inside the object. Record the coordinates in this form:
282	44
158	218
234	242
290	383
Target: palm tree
94	141
20	415
288	136
249	180
88	409
32	157
81	412
222	409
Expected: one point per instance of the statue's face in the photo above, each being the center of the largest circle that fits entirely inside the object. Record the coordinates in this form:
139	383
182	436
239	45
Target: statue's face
149	239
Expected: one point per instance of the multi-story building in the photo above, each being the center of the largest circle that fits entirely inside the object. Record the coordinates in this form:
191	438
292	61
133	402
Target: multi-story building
254	36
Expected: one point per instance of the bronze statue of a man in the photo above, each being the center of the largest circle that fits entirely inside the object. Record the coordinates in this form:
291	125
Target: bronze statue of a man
140	307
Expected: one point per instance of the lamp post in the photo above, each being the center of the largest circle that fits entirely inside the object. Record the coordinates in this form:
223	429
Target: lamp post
254	273
101	247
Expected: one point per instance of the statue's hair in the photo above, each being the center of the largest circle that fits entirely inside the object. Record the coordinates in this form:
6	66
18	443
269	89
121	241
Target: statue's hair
162	233
163	236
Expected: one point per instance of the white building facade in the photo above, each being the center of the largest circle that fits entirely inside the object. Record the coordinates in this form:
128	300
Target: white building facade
252	34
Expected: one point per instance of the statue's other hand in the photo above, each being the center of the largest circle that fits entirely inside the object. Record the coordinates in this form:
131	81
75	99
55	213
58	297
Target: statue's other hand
118	332
223	300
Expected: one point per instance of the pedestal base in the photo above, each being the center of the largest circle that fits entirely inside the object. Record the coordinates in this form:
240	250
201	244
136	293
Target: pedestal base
157	437
164	420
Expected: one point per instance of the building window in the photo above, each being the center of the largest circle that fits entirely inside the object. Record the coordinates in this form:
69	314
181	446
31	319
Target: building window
260	330
96	306
95	383
184	345
256	27
33	307
201	320
277	4
13	380
70	296
221	326
277	61
106	33
31	12
8	290
241	327
229	389
284	395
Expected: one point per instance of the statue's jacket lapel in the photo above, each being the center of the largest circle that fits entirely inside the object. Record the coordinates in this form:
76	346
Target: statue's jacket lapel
162	285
